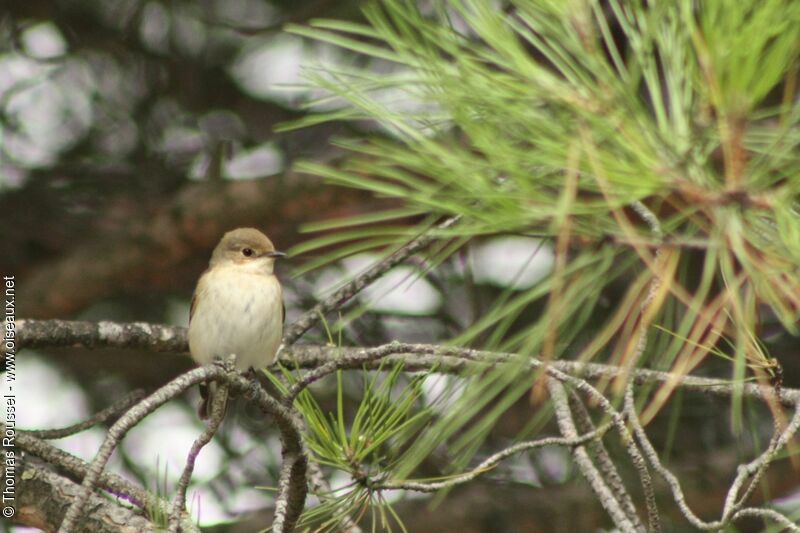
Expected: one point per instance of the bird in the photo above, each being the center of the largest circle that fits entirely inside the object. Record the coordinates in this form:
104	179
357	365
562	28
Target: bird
237	308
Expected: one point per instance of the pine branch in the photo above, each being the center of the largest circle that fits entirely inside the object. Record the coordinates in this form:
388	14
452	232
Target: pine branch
320	361
357	284
607	498
295	486
77	469
490	463
44	495
214	421
416	357
101	417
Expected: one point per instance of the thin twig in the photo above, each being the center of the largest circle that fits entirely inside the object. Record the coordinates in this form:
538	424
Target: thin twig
649	218
653	522
492	461
605	496
677	492
584	423
220	399
98	418
744	472
731	504
311	317
757	466
645	314
761	512
352	360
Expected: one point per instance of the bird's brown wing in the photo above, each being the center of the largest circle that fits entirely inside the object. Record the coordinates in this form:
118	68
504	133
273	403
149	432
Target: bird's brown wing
204	410
192	306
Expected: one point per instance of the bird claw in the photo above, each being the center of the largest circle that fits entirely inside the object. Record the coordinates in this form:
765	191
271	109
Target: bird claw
228	364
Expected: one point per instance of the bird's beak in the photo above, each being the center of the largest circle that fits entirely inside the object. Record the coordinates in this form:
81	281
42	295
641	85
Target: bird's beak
274	254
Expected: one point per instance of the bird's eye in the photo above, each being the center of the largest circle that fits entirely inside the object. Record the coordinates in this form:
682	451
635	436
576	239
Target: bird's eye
247	252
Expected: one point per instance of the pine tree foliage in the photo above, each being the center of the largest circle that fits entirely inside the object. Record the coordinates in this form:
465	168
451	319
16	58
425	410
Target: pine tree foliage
655	144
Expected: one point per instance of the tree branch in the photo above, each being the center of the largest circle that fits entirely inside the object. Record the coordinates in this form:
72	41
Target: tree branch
155	338
604	495
102	416
606	466
214	420
756	468
292	485
77	469
770	514
491	462
120	429
324	360
416	357
44	495
311	317
290	436
629	409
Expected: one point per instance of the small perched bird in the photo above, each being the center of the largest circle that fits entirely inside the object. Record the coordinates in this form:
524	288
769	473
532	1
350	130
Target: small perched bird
237	307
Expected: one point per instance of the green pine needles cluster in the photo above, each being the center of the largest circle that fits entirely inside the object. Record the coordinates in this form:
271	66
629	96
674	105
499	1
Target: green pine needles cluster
656	145
366	445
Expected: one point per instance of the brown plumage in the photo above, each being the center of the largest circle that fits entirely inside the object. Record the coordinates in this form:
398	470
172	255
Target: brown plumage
237	307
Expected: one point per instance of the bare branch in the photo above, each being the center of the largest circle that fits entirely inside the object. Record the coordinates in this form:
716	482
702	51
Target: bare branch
616	419
631	361
492	461
357	284
677	492
583	422
44	495
290	436
214	421
73	333
103	416
770	514
77	469
292	485
352	360
604	495
122	426
640	464
757	466
415	357
744	472
324	360
452	360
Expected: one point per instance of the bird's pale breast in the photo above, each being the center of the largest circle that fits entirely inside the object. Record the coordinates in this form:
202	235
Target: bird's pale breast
238	313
